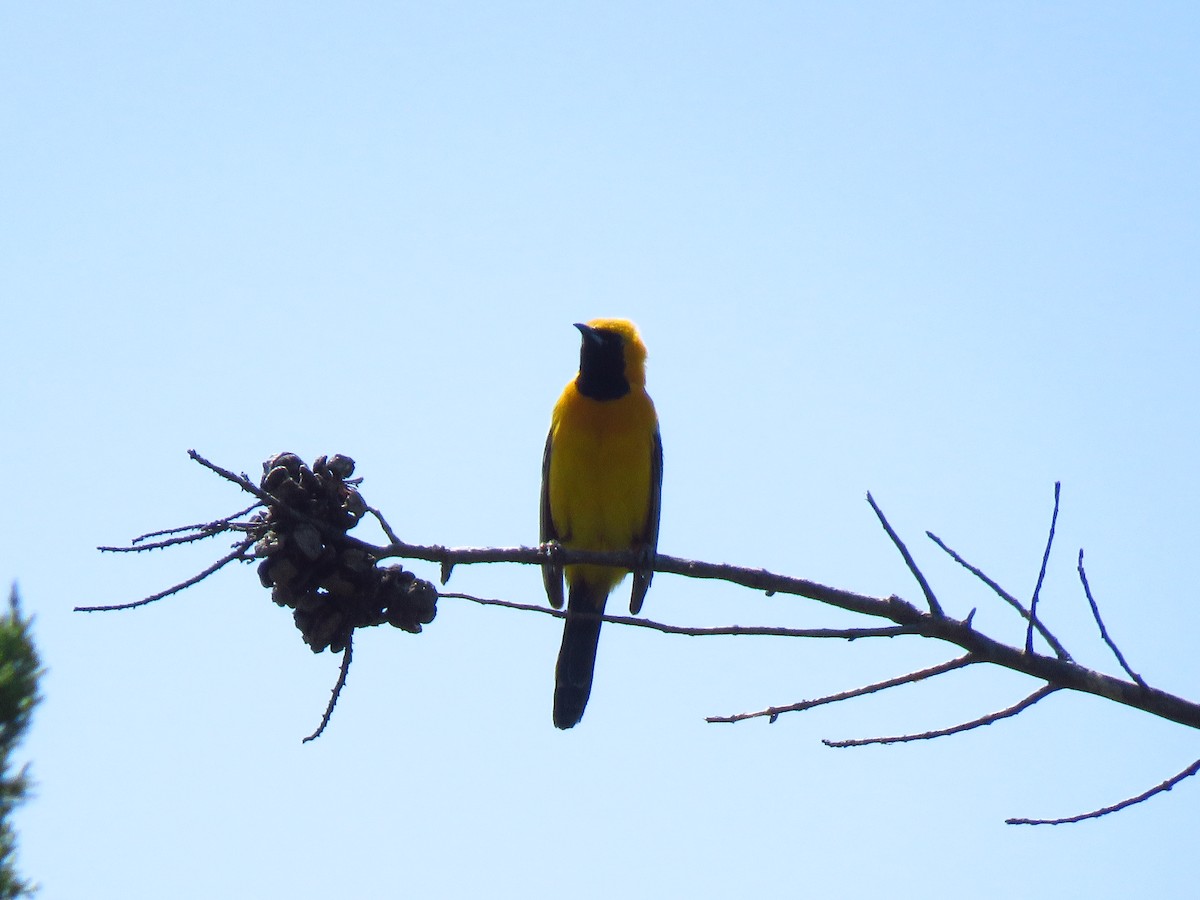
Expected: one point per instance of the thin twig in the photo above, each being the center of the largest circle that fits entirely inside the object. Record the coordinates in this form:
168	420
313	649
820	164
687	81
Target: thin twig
383	523
1097	813
773	712
1041	573
241	481
181	539
1087	590
159	545
849	634
1010	711
934	606
347	656
1059	650
238	553
203	526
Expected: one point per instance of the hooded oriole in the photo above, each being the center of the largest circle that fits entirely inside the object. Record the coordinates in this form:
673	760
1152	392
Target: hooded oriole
601	486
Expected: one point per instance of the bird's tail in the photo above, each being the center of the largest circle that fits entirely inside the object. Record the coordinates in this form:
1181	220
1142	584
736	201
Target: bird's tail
577	656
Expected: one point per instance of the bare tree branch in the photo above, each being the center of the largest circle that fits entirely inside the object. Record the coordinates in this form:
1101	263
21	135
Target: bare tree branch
239	553
1042	572
1004	595
1006	713
773	712
934	607
1087	590
347	657
1116	807
387	529
243	481
215	527
849	634
186	534
1061	672
335	584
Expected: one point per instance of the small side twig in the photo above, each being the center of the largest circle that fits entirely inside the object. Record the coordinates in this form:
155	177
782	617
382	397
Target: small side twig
383	523
1006	713
186	534
347	656
849	634
1042	572
1059	650
1116	807
1087	590
239	553
241	481
214	526
171	542
772	713
934	606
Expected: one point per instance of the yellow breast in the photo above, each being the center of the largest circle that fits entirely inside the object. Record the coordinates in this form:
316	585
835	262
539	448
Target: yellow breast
600	474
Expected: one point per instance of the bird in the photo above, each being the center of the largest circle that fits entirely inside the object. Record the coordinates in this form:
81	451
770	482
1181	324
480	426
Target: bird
602	491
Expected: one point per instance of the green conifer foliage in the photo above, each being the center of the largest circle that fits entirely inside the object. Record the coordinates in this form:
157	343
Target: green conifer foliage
20	672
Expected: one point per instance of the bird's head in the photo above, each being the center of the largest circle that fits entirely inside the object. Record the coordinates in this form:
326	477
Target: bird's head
612	358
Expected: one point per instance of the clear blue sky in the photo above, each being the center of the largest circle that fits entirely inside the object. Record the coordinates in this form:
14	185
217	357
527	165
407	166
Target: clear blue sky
945	252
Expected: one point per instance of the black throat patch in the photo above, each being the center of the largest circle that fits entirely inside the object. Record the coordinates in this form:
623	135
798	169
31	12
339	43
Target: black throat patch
602	365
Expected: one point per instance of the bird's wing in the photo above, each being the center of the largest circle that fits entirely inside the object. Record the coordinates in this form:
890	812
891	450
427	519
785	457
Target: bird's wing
648	540
552	575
